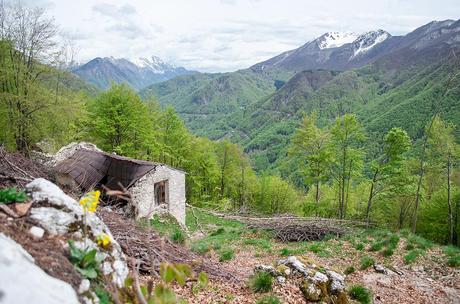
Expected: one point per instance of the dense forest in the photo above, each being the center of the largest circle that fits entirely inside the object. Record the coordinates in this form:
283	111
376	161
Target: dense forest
346	167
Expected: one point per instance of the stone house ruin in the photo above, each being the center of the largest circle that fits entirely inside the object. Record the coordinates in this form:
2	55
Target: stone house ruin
154	187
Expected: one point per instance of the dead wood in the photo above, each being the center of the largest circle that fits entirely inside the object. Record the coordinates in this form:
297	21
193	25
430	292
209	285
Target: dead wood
150	249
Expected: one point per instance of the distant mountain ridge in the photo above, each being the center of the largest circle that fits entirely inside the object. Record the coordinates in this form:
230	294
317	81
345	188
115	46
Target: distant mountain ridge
386	80
138	73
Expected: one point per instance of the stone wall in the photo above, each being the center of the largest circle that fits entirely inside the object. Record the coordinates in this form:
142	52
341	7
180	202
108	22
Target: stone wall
143	193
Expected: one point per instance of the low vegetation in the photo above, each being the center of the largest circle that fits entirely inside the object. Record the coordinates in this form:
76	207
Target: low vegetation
360	294
261	282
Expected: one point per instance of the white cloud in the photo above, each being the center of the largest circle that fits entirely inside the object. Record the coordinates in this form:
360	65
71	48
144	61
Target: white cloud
224	35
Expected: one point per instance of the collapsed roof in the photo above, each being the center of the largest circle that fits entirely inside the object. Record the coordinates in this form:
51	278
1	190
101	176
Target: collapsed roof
90	168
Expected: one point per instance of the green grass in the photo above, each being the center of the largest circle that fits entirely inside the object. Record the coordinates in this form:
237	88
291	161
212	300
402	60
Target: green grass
454	261
178	236
261	243
377	246
366	262
200	248
349	270
360	294
226	254
451	250
411	256
165	225
269	300
359	246
261	282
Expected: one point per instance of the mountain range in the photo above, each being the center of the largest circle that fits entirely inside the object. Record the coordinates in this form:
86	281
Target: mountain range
386	80
138	73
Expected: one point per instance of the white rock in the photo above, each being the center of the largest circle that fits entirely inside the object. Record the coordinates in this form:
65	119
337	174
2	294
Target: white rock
295	263
23	282
107	268
84	286
64	211
281	280
267	268
53	220
36	232
337	281
319	278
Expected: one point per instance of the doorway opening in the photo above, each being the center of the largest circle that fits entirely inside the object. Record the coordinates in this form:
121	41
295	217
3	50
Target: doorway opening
161	191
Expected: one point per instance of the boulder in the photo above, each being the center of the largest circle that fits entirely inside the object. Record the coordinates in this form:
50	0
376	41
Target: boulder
268	269
23	282
60	214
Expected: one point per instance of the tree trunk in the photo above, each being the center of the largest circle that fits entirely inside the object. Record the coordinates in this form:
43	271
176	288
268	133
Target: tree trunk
371	196
449	202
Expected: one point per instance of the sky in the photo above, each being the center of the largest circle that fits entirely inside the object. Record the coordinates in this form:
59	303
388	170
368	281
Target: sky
225	35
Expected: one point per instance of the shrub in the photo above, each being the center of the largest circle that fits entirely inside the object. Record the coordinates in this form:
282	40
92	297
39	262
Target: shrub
11	195
454	261
360	294
366	262
178	236
269	300
226	255
261	281
349	270
411	256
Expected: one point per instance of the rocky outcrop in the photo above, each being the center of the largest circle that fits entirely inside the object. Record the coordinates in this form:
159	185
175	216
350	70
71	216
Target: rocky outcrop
316	283
23	282
59	214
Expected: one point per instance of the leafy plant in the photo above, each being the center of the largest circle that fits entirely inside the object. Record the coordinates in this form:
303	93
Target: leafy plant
85	261
226	254
366	262
261	281
361	294
12	195
269	300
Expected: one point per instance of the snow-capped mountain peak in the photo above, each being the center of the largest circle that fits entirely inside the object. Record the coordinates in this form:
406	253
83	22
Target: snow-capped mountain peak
335	39
154	63
368	40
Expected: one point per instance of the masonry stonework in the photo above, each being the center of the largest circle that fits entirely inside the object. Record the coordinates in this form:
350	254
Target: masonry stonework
143	193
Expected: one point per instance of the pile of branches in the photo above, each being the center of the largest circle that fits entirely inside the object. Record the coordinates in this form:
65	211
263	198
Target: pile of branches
17	170
146	250
298	229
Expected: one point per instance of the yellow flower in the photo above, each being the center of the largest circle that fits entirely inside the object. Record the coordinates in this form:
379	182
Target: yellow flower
103	240
90	200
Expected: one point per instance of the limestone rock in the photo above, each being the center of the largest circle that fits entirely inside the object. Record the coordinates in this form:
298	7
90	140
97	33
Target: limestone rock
268	269
281	280
337	282
36	232
23	282
63	214
53	220
381	269
296	264
310	291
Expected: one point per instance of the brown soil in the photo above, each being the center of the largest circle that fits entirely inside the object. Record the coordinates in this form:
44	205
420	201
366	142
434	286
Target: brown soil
150	249
48	252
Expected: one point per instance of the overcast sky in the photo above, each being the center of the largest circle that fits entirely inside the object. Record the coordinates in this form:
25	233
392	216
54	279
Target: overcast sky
225	35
